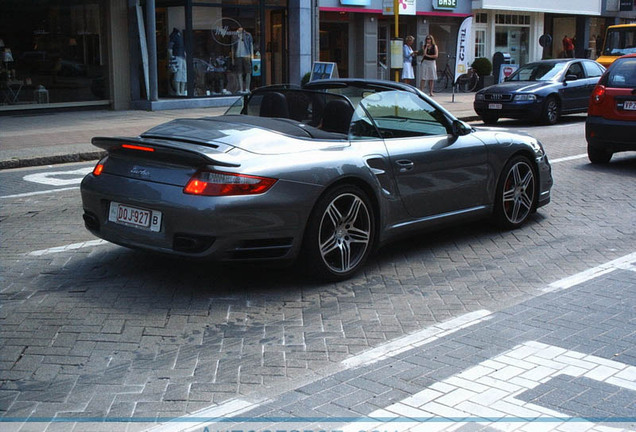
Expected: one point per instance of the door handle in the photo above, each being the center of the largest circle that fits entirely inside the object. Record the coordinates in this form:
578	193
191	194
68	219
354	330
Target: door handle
405	165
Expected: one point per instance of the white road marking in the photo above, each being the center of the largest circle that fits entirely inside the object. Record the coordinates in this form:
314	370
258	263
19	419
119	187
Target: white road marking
569	158
58	178
74	246
488	392
625	263
224	410
28	194
417	339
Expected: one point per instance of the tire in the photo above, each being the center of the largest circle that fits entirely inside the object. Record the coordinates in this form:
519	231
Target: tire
516	197
598	156
551	111
340	234
489	119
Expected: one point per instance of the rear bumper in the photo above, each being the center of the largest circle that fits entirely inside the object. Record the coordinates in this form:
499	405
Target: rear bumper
610	135
242	228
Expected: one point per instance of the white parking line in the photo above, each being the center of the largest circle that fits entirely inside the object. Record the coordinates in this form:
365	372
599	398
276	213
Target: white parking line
65	248
569	158
414	340
625	263
28	194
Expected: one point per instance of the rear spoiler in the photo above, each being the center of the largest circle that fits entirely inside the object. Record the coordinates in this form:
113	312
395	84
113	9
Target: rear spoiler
176	150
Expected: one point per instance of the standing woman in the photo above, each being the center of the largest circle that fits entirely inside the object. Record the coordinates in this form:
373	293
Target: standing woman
429	69
407	67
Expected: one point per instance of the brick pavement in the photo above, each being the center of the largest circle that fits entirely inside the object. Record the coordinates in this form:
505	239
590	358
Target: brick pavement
563	361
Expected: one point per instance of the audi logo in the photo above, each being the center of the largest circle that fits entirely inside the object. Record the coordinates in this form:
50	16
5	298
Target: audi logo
496	96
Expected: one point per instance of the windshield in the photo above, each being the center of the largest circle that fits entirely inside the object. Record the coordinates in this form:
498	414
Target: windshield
538	72
620	41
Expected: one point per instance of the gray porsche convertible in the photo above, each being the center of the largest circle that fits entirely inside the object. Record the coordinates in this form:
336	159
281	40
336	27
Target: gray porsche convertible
323	173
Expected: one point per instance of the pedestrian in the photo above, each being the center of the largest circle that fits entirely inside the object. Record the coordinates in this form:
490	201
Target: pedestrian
428	65
408	73
568	47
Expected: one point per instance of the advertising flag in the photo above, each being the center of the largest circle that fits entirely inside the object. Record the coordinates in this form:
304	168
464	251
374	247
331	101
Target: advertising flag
464	48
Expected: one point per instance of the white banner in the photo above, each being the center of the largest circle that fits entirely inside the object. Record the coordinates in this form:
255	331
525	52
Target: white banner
464	48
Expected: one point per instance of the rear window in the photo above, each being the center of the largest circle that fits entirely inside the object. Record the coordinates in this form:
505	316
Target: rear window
622	74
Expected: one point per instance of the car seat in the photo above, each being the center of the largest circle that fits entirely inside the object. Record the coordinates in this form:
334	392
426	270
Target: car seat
336	116
274	104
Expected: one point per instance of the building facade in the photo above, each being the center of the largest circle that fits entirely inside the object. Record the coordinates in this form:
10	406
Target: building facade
357	34
158	54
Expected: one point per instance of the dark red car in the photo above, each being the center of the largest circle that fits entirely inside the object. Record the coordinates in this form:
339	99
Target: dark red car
611	118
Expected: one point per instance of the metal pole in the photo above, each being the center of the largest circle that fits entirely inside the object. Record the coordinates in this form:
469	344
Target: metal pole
151	39
396	17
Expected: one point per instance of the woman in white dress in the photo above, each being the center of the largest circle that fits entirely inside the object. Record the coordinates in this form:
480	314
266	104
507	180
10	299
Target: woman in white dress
429	69
407	67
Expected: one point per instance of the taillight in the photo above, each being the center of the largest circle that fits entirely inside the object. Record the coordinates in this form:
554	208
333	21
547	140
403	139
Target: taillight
598	95
137	147
99	167
214	183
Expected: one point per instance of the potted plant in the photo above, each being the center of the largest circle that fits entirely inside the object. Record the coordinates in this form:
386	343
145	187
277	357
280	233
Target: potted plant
305	78
483	67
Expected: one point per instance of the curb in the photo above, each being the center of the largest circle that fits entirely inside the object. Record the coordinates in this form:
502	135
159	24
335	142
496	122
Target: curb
51	160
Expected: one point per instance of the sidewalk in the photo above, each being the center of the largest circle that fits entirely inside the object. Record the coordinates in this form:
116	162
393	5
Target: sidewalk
43	139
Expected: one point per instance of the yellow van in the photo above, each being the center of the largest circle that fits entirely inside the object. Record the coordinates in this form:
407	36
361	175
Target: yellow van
619	40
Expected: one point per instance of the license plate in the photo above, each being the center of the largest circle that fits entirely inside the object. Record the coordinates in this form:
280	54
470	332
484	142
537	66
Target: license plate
135	216
629	105
495	106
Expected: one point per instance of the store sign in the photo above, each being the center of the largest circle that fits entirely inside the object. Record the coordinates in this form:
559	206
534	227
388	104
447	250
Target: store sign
406	7
444	4
355	2
627	5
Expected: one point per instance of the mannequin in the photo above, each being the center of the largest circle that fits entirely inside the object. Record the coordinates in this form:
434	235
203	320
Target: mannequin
242	54
176	53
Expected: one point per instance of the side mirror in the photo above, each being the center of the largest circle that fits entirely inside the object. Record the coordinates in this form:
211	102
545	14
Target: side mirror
460	128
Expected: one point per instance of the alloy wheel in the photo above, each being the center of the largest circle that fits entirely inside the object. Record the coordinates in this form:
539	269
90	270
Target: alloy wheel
344	233
518	192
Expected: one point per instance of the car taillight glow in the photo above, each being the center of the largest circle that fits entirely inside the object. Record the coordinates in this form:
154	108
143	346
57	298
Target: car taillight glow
99	168
214	183
137	147
598	94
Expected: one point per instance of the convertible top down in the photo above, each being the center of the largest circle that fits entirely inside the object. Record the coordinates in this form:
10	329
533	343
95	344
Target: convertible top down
324	173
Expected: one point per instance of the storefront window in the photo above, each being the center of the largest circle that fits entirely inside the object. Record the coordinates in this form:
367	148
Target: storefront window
513	40
233	49
52	52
